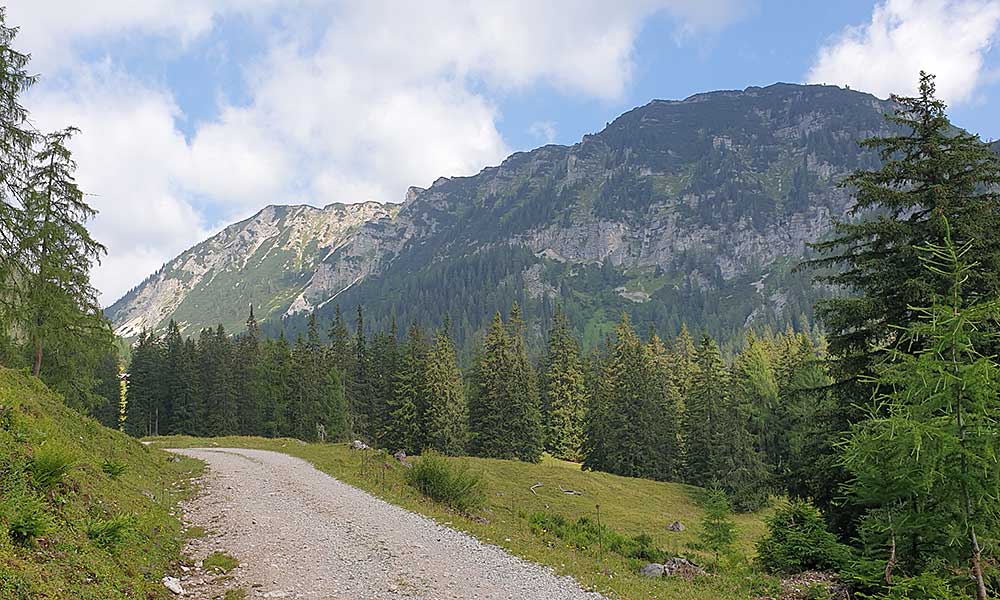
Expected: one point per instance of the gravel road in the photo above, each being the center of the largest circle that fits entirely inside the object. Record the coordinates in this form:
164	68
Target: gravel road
299	533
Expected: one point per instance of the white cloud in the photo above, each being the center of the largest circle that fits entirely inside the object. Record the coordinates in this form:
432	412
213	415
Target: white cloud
948	38
543	130
349	101
128	164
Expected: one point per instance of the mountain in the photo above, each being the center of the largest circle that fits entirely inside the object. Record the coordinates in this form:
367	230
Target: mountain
269	260
691	211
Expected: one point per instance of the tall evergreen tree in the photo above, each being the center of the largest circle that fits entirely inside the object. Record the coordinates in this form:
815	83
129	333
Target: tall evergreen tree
703	420
218	381
276	386
247	371
668	448
505	418
361	392
16	140
928	170
146	391
629	408
446	419
408	405
564	394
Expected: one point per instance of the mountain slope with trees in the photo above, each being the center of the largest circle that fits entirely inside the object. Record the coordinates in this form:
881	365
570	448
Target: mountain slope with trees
678	211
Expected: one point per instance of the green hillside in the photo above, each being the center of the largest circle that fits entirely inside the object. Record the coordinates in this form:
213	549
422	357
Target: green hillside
85	512
628	506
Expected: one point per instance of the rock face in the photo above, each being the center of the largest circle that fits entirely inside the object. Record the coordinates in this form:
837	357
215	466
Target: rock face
273	260
678	211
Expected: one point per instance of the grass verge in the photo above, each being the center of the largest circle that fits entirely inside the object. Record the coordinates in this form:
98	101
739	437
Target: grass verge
70	526
636	508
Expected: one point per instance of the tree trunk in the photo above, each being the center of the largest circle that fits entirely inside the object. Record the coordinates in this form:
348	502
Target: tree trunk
36	365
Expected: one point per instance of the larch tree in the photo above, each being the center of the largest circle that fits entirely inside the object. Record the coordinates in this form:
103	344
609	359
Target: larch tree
60	305
925	459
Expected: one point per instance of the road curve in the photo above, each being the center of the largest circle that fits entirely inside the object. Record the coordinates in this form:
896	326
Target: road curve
299	533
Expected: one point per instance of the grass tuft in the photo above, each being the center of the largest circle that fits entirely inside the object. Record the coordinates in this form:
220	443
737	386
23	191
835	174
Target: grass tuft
220	562
113	469
26	516
48	466
459	488
109	534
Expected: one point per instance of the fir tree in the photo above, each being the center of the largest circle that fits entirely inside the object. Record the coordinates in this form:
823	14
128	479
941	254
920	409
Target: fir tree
405	427
360	394
564	395
276	387
446	418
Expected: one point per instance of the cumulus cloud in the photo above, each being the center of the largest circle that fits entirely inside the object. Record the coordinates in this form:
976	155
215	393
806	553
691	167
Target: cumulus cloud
946	37
345	102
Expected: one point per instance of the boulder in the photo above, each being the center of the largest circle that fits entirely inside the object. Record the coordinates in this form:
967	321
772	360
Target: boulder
359	445
683	568
652	570
173	584
676	526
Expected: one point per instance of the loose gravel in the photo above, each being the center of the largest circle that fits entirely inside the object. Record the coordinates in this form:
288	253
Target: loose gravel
299	533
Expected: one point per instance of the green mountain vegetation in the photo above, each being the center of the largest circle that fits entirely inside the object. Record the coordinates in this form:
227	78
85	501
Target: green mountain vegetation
86	512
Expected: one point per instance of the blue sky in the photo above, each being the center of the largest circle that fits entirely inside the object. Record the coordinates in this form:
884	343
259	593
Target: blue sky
198	112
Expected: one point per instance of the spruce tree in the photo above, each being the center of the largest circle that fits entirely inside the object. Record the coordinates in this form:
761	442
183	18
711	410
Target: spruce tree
218	381
247	371
668	449
404	430
564	395
629	408
525	425
146	391
385	361
703	419
16	138
505	416
446	419
929	169
276	387
360	393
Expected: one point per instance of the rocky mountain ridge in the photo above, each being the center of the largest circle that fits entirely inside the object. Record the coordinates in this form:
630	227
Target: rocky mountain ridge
689	211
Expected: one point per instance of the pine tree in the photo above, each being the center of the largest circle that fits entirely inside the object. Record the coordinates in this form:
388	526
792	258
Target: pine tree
446	418
564	395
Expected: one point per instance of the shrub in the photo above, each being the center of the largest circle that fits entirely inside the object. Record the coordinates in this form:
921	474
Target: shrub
113	469
109	533
584	534
26	517
14	585
797	540
48	466
434	477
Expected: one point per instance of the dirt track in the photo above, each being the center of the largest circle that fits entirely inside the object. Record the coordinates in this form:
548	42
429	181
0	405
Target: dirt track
299	533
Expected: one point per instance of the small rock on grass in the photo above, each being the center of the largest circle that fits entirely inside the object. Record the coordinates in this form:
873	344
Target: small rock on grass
173	584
